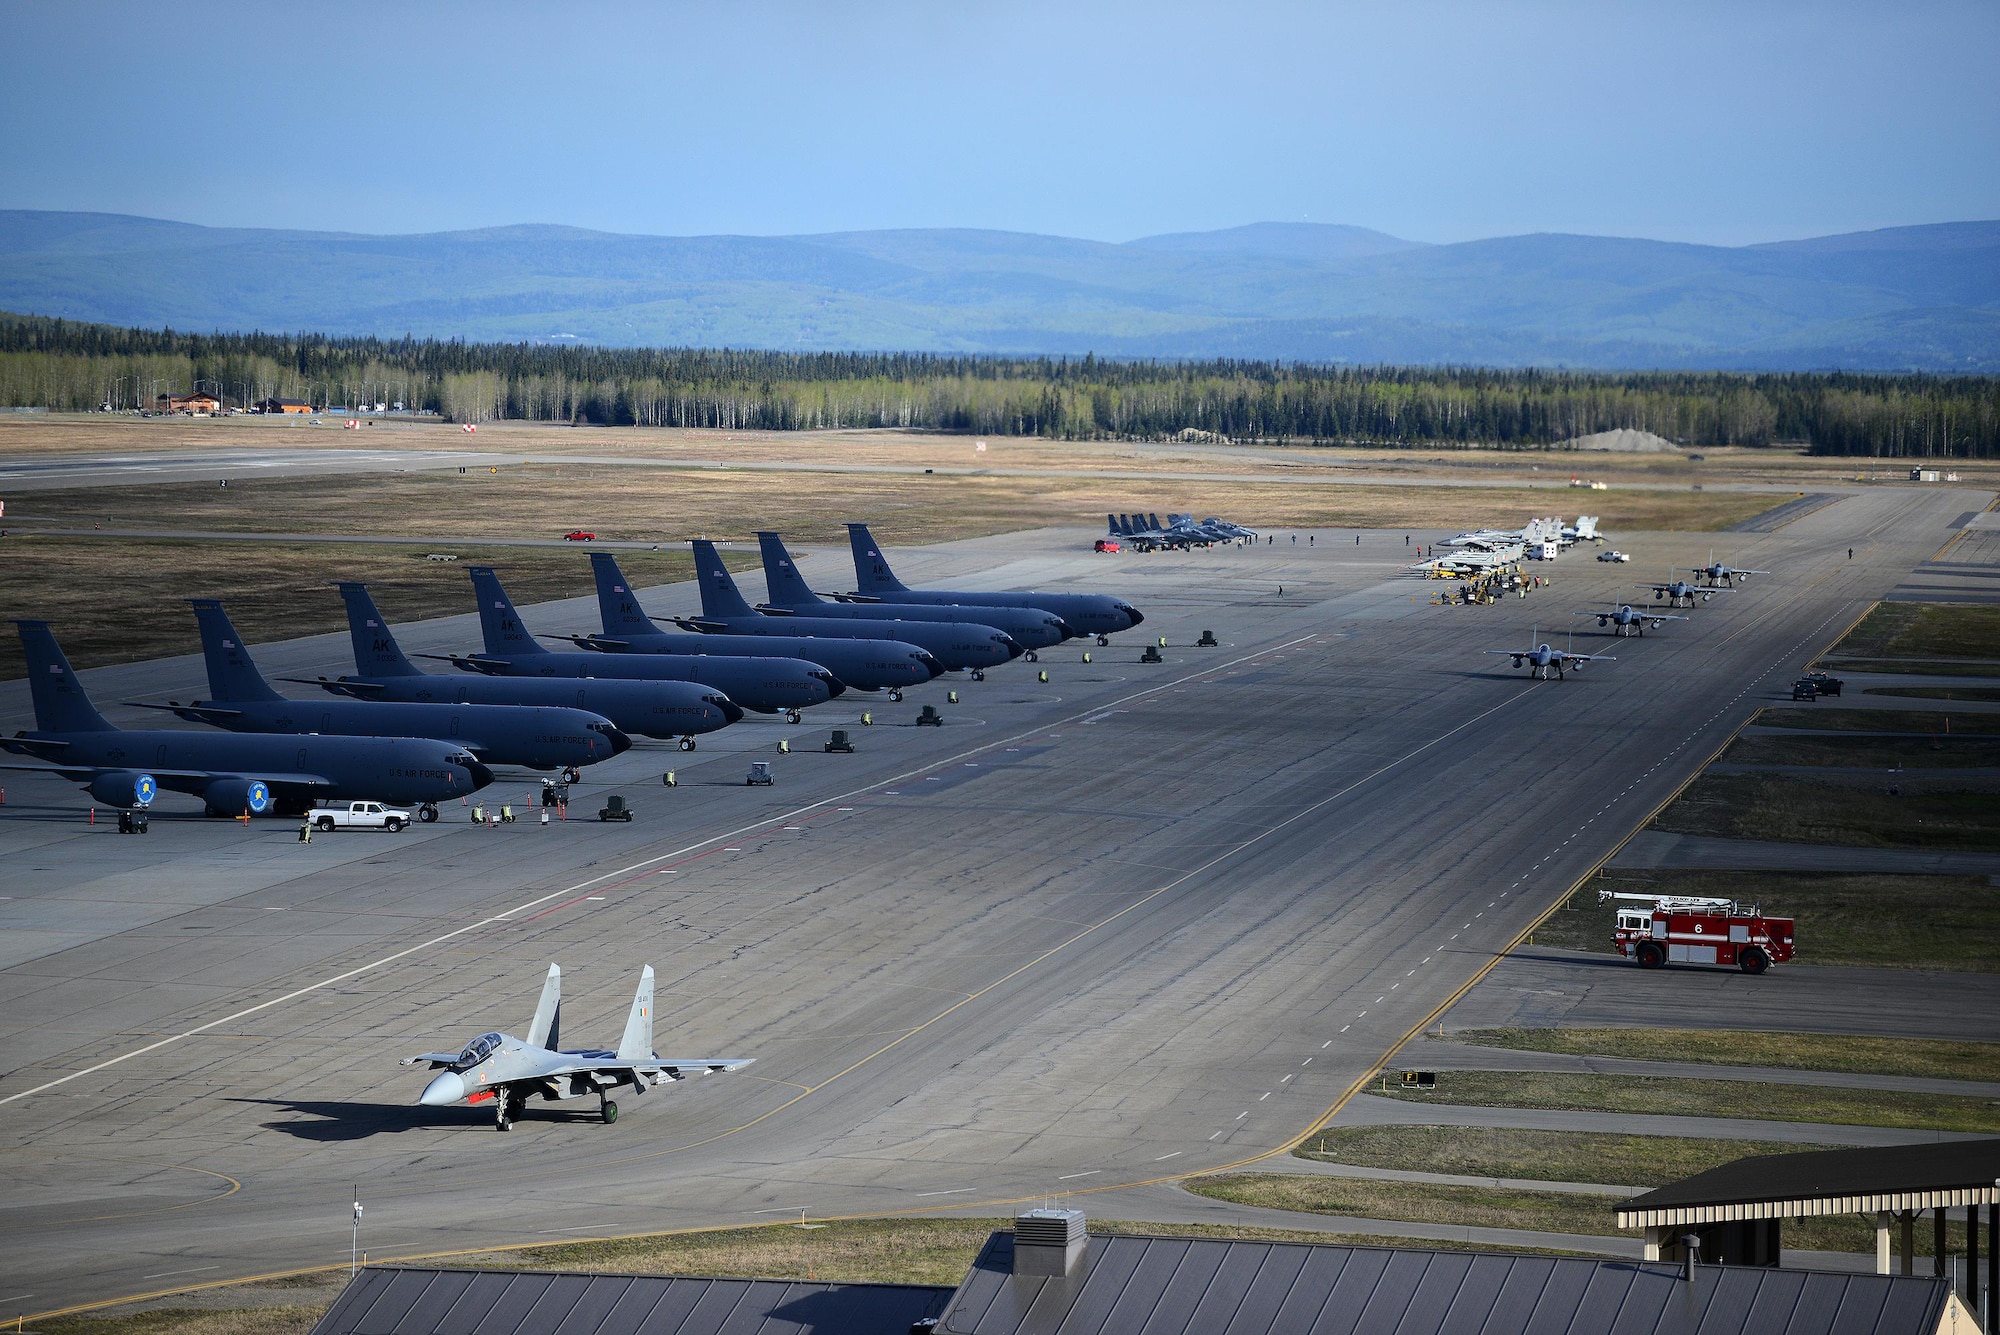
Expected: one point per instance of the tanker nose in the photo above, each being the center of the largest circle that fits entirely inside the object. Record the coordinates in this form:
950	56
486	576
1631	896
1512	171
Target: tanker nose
481	776
1003	640
620	742
928	661
447	1089
834	685
1134	613
730	709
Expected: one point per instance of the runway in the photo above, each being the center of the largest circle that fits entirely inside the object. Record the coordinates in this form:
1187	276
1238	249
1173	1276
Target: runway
1138	922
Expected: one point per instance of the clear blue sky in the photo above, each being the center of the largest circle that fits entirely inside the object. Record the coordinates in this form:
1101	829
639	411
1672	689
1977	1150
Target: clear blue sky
1437	120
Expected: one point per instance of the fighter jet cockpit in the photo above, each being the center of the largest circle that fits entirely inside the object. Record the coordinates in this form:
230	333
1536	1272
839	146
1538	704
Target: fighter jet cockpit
477	1051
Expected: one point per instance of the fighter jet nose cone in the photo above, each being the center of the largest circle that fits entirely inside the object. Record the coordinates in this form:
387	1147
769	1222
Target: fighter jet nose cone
447	1089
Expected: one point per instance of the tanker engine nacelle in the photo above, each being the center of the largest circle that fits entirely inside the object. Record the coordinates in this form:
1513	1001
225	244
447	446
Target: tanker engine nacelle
124	788
233	797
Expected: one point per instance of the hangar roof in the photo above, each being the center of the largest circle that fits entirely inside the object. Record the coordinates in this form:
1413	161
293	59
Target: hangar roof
1128	1285
399	1300
1861	1181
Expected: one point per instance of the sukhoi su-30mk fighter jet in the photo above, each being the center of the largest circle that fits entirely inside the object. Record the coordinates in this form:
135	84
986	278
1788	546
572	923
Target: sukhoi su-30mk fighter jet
507	1071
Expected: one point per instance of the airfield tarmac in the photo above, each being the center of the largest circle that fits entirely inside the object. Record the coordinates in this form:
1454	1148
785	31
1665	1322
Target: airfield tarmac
1137	923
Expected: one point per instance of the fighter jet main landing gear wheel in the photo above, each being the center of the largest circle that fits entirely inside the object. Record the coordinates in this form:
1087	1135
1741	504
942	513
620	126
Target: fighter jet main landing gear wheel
895	696
427	813
687	743
794	716
609	1112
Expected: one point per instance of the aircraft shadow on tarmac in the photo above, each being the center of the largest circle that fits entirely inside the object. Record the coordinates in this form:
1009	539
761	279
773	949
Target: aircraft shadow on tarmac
330	1122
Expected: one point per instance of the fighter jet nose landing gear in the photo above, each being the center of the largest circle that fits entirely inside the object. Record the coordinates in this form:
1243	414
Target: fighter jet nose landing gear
503	1111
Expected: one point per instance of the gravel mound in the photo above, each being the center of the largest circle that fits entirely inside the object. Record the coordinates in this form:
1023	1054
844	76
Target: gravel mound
1622	441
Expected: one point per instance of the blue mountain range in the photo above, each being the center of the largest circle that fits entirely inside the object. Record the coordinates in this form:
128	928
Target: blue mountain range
1906	298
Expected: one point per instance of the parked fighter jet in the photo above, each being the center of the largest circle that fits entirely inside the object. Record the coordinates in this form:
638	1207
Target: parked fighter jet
508	1071
1623	617
1675	591
537	736
955	644
1541	658
1227	529
866	665
643	708
766	685
1085	613
1717	573
231	773
1030	627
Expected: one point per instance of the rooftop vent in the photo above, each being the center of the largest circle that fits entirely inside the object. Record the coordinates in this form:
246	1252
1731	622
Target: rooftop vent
1048	1242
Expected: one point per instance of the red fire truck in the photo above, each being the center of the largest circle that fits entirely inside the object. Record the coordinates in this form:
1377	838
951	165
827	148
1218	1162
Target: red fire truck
1685	929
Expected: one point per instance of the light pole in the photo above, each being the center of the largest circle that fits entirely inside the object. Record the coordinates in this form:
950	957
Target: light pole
354	1244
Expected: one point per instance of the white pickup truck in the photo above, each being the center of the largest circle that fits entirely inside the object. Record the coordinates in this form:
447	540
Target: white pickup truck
360	816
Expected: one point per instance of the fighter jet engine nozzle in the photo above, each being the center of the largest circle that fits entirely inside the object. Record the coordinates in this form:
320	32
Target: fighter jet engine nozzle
834	685
230	796
124	788
620	743
444	1091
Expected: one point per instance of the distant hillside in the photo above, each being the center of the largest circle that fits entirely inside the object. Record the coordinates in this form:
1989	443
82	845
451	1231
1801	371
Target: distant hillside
1912	298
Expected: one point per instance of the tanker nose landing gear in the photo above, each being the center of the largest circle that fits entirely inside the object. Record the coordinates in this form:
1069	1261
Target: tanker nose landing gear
895	696
794	716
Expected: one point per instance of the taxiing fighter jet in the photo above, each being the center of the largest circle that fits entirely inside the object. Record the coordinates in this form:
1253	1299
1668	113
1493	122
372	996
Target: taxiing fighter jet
1541	659
865	665
1718	574
507	1071
232	773
1085	613
1623	617
1679	591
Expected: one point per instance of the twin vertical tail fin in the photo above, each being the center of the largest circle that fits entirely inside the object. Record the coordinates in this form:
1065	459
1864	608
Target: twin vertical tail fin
544	1031
871	572
231	673
637	1044
617	605
376	653
720	598
61	704
787	587
498	621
